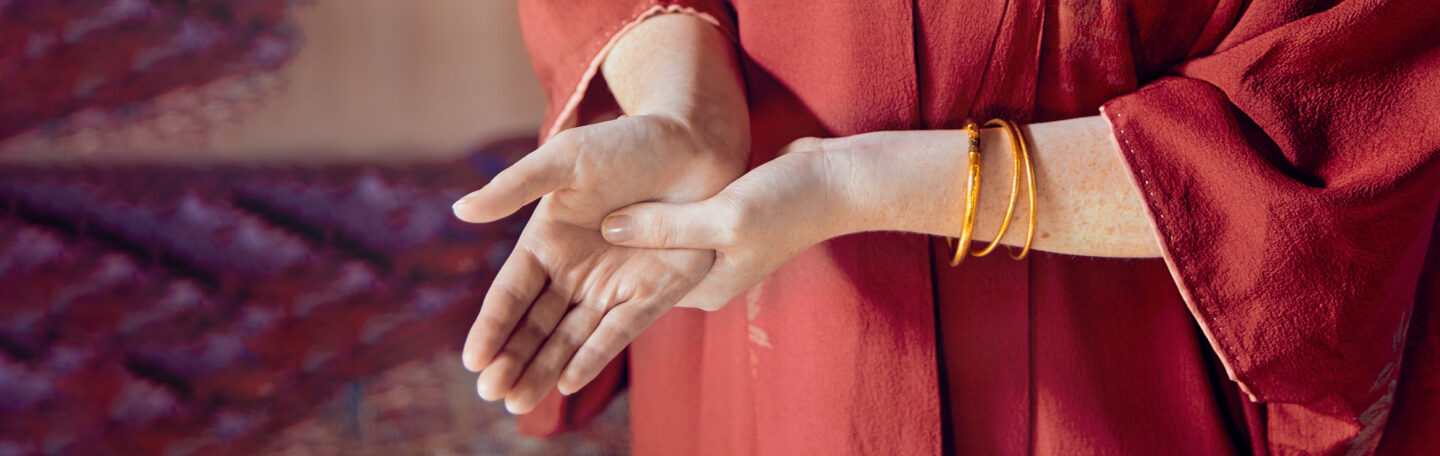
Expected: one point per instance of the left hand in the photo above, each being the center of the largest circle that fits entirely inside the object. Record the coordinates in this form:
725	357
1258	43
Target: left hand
755	225
564	292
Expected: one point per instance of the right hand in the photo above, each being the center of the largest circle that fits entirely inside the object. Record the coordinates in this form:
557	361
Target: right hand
565	296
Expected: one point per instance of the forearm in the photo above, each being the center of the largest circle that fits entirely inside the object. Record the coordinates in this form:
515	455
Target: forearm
915	182
680	66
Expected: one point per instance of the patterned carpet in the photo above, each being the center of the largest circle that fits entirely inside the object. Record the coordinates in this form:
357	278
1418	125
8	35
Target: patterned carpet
429	407
230	310
227	310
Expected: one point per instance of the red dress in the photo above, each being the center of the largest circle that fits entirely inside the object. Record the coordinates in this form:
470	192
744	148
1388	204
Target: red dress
1286	152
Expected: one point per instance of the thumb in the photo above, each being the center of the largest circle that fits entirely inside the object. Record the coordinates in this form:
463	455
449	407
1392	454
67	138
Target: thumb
704	225
545	170
717	289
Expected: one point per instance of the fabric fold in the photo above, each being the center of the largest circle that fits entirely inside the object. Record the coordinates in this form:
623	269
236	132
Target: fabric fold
1293	185
586	33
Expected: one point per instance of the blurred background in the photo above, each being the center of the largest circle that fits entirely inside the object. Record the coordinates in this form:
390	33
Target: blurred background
224	226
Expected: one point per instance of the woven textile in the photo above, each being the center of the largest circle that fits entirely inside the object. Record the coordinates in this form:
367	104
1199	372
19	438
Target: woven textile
110	58
156	310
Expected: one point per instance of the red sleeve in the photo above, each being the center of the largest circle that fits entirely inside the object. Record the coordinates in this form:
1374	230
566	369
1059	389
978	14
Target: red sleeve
1292	180
567	40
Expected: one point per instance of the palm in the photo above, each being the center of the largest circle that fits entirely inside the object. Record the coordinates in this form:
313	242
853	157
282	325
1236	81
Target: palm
566	299
596	273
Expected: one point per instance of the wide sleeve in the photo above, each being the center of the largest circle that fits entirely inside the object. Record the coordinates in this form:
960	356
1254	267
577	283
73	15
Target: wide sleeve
567	41
1291	177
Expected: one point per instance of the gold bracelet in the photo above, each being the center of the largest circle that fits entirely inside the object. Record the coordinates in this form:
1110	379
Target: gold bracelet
1014	185
1024	152
972	195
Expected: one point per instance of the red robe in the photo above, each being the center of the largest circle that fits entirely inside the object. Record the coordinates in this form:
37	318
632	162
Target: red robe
1287	155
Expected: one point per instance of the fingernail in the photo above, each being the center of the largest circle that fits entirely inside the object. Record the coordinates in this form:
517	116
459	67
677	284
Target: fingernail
462	203
616	228
513	408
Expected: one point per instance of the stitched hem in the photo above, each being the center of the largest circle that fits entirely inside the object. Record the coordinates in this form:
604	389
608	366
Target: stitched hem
1205	311
566	118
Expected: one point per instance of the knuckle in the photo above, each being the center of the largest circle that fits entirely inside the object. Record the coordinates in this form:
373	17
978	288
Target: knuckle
590	306
621	333
508	294
533	329
660	231
650	314
488	327
590	353
727	233
567	146
570	341
806	144
736	220
542	367
537	368
564	139
511	352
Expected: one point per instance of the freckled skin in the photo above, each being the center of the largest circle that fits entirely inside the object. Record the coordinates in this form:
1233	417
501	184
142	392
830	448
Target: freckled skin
914	181
679	81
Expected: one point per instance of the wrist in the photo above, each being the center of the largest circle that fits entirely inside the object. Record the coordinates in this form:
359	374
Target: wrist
846	188
911	181
682	68
916	181
710	156
806	202
837	211
722	133
997	178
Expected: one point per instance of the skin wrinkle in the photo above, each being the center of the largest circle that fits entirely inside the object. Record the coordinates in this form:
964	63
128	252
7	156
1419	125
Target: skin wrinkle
909	182
617	291
820	189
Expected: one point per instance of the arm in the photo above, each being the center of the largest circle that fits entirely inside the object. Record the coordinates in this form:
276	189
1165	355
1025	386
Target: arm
911	181
564	292
914	181
679	65
690	81
1291	178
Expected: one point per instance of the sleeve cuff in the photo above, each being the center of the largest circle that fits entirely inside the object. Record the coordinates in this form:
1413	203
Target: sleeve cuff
567	115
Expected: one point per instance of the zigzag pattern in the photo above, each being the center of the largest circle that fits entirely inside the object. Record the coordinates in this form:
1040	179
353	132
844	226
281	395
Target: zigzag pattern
155	310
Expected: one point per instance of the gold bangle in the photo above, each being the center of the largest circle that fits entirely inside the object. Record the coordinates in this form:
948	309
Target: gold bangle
972	195
1019	138
1014	185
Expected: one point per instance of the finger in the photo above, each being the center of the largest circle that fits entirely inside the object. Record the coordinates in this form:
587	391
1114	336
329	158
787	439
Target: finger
545	170
515	287
721	285
707	224
620	326
540	376
497	378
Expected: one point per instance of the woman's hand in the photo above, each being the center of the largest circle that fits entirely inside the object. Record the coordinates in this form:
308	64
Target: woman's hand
909	181
755	225
564	292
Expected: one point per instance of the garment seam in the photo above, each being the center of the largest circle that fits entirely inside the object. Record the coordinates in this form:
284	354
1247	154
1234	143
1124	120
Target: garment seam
1194	295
